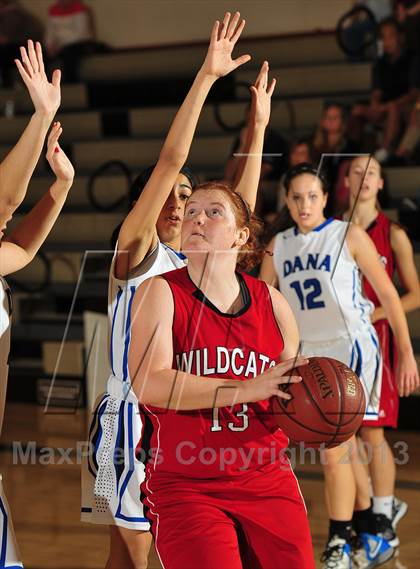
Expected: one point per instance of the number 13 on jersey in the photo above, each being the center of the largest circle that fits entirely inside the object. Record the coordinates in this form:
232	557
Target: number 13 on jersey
243	420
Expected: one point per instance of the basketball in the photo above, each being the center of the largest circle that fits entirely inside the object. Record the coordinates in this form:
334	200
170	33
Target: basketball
327	406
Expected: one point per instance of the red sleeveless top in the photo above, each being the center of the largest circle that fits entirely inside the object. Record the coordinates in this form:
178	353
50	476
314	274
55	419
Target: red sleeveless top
224	442
380	233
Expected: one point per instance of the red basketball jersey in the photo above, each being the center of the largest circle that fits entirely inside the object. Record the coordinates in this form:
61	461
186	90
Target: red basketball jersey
380	233
224	442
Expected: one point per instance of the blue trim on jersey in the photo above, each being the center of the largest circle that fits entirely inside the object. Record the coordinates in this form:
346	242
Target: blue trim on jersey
129	519
317	229
130	472
114	316
86	510
117	443
353	296
177	253
4	535
324	224
359	364
378	355
128	333
98	434
352	357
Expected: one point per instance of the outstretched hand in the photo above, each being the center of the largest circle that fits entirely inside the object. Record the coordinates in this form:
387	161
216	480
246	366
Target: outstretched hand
261	96
45	96
224	36
57	159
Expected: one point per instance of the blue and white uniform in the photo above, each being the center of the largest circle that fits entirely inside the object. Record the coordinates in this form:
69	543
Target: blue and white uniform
321	281
9	552
111	473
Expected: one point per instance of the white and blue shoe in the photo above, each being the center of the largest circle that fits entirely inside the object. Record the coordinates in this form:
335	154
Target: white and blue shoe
371	550
399	509
337	554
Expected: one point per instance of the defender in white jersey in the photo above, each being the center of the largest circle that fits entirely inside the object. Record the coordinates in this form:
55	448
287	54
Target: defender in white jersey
9	552
21	244
147	243
320	278
112	473
317	263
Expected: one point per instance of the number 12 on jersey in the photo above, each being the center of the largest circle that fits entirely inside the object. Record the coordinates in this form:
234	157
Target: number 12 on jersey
309	294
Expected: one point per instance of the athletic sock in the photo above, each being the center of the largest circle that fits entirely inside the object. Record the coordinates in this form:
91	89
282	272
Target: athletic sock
341	529
383	505
364	521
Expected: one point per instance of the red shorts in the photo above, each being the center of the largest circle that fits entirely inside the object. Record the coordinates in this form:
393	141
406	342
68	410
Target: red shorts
255	521
389	400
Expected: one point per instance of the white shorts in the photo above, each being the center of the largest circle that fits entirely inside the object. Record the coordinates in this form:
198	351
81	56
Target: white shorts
111	473
362	354
9	551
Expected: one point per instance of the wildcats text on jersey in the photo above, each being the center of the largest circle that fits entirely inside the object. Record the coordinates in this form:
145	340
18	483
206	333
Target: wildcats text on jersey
222	360
308	262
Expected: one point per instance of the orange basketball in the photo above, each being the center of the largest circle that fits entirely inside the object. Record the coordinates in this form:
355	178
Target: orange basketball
327	406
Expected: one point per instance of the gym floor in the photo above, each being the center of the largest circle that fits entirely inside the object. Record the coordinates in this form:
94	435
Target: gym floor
44	495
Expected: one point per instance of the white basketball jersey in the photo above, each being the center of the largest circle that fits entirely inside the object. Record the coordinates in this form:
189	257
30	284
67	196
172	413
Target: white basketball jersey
5	323
120	297
321	281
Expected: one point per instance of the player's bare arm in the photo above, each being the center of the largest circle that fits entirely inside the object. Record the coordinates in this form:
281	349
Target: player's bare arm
366	256
406	269
249	170
18	166
150	362
287	323
268	272
138	234
24	242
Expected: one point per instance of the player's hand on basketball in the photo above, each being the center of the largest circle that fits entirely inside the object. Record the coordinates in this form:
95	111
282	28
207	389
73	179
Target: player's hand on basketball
269	383
45	95
224	36
408	374
57	159
261	93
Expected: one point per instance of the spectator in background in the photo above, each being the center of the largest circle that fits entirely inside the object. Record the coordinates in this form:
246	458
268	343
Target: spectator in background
71	35
300	152
411	138
17	25
274	157
408	15
331	144
395	85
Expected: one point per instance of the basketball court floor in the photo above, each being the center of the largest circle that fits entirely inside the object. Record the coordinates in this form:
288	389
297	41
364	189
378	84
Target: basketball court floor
44	493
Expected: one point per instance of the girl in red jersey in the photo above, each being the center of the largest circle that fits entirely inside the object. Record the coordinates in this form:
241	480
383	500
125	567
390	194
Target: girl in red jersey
204	358
148	244
364	181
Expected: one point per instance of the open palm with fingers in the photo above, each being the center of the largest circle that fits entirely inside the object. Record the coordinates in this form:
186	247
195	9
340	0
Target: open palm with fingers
261	94
224	36
57	159
45	95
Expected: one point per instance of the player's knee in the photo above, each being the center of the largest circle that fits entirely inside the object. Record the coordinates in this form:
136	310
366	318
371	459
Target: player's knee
373	436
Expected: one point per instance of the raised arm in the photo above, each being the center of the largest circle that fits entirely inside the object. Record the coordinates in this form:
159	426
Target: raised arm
268	272
138	232
247	177
23	243
366	256
151	356
18	166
